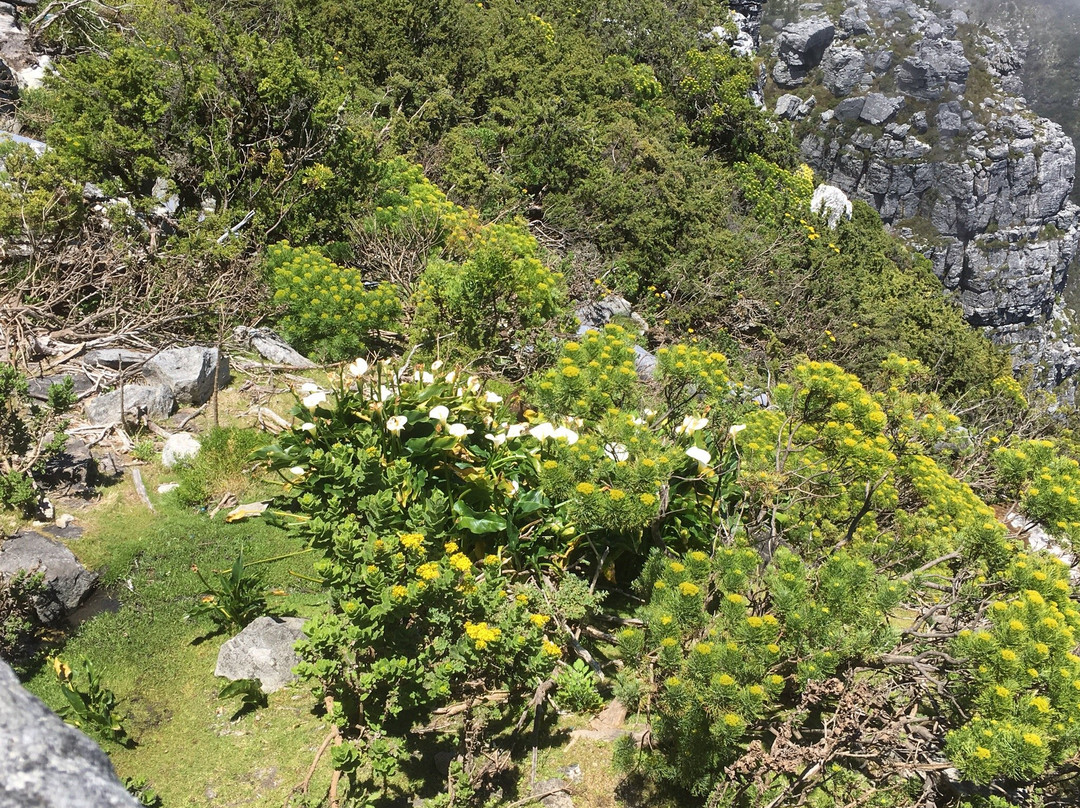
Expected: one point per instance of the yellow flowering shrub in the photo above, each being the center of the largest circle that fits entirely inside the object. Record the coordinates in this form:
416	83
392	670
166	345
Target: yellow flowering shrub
328	310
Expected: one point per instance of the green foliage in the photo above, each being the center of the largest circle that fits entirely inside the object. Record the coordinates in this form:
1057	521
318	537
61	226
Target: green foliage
219	467
1046	482
18	617
714	98
577	688
233	598
592	375
139	788
90	705
499	297
329	312
29	434
250	692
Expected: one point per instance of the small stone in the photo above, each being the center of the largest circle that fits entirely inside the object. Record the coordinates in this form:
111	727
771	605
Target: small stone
179	448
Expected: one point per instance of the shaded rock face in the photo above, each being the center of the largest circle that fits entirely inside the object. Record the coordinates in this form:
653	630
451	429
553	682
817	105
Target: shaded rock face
44	763
67	582
800	48
938	140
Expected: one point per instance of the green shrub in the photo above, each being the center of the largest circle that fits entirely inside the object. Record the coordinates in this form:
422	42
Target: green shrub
328	311
220	466
29	434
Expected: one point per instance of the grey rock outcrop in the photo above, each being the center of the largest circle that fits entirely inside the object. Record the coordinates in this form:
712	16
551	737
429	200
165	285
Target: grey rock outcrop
188	372
800	48
139	400
44	763
263	651
938	142
67	582
842	69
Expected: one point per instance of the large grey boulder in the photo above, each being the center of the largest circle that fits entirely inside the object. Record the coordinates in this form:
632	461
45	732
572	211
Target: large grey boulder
39	388
152	401
67	582
263	651
842	69
879	109
800	48
188	372
44	763
269	345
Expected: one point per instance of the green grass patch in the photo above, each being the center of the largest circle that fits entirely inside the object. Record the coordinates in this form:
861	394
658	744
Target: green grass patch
161	665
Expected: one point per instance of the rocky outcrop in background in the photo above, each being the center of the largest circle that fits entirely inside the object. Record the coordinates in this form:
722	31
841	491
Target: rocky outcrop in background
921	114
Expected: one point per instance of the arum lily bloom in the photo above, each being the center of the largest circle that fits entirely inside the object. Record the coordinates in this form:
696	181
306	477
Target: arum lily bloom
358	368
516	431
309	387
690	425
439	413
568	435
459	430
451	377
735	430
426	378
493	398
307	426
385	393
473	384
542	431
616	451
498	440
314	400
297	471
436	366
701	456
396	423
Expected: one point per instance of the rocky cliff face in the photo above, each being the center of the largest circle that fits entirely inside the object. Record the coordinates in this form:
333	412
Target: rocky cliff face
921	114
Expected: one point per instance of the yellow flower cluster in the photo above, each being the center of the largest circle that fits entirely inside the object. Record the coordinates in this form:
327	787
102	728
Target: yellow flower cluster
481	634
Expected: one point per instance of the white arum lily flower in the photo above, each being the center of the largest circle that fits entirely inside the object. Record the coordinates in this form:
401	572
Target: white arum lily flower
439	413
498	440
473	384
436	366
637	421
516	431
616	451
542	431
314	400
297	471
514	488
451	377
307	426
459	430
701	456
358	368
426	378
385	393
396	423
690	425
493	398
309	387
568	435
735	430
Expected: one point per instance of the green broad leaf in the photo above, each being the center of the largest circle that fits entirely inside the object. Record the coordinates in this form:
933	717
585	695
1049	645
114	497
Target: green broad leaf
532	501
476	522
